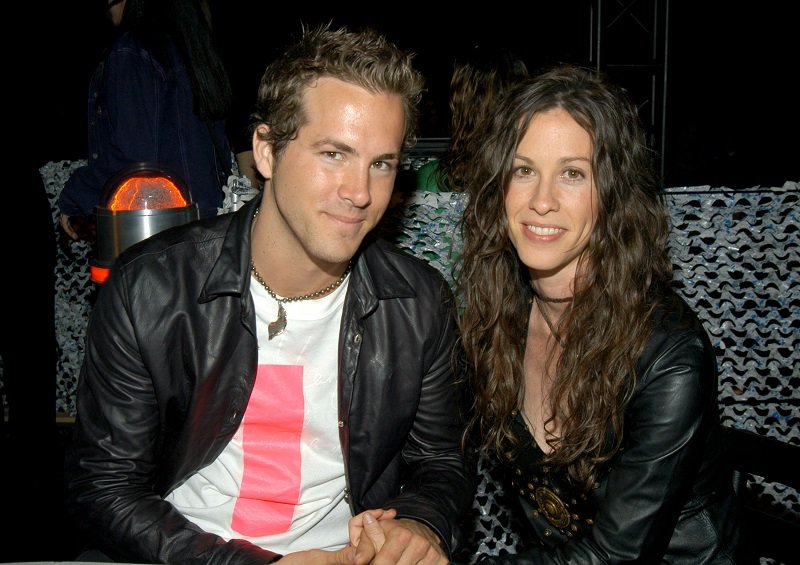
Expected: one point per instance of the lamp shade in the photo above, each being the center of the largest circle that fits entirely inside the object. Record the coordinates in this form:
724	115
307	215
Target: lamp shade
140	201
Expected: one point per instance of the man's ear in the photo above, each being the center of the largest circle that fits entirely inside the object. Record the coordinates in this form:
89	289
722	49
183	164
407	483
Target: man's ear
262	152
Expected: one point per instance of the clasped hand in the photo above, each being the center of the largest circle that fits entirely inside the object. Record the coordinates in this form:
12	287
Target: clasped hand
378	538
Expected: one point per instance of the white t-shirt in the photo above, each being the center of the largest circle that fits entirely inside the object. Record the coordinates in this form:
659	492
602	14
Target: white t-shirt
280	481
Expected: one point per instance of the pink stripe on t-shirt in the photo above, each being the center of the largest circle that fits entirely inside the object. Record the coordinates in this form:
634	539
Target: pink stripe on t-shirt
272	426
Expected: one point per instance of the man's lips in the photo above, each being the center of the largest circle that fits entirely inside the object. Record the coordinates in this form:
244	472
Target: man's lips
346	219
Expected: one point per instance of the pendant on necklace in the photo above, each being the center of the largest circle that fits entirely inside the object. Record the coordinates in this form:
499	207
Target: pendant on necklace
277	327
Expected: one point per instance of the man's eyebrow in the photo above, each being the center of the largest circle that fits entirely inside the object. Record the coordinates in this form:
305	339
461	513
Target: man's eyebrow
345	148
388	157
338	145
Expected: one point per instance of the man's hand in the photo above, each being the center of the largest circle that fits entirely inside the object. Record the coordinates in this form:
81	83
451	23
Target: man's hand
380	539
372	543
344	556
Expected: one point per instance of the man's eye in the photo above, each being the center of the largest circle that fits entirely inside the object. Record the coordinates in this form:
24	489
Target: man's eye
382	165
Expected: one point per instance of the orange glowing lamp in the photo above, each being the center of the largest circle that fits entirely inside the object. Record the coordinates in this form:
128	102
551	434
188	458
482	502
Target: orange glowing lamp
138	203
155	192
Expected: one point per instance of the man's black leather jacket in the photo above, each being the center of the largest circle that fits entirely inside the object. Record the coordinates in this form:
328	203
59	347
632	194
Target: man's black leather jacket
170	363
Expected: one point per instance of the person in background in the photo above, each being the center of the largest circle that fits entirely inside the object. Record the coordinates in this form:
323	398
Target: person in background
274	384
160	95
595	385
479	76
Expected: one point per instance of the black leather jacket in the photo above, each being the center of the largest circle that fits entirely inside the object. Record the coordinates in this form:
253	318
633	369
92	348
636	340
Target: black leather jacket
169	368
666	497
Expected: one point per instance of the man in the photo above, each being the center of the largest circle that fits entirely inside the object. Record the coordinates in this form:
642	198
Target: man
253	381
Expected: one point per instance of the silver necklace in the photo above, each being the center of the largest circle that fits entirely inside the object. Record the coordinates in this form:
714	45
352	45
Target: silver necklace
279	325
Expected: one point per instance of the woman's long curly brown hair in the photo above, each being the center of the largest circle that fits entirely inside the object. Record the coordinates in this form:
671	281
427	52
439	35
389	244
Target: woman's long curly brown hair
625	270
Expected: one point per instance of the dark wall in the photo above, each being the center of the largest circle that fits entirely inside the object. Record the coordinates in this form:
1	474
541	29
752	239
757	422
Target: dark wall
731	116
48	65
733	107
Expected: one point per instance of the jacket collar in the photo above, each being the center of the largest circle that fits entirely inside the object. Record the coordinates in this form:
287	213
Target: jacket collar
230	274
374	276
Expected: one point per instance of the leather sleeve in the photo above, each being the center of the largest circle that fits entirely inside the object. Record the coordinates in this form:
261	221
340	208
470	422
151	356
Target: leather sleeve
400	393
437	488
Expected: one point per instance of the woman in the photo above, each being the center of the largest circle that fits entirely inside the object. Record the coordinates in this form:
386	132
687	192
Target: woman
160	95
594	383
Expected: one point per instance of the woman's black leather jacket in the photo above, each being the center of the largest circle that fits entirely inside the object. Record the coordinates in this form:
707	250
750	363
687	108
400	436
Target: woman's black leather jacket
666	497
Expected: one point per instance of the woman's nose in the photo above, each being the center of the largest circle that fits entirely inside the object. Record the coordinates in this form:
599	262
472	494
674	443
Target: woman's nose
543	197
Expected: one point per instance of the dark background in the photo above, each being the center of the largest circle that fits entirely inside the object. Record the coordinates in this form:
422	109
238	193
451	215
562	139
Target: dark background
724	75
725	113
726	106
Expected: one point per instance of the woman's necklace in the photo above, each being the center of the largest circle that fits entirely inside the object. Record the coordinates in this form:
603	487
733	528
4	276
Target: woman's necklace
544	298
278	326
547	318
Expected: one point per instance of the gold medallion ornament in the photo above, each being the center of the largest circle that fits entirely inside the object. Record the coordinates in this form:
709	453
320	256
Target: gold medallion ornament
277	327
552	507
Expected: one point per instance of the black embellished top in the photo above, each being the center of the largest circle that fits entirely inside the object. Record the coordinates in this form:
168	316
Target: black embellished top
556	510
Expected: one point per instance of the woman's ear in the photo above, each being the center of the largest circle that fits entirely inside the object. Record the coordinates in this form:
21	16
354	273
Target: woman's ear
262	152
